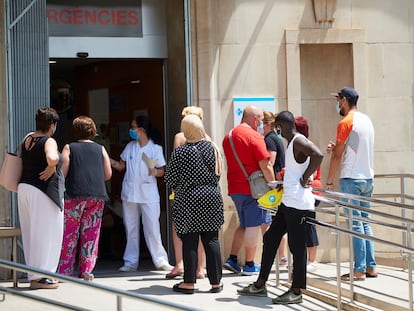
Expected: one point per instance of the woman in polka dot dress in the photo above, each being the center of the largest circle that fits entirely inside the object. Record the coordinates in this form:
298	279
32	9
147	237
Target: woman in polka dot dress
193	171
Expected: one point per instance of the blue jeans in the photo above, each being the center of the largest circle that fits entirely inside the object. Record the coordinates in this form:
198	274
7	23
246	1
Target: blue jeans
364	253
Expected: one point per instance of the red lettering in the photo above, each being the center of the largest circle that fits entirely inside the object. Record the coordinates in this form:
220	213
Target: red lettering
121	17
65	17
133	18
113	17
78	16
90	17
52	15
104	17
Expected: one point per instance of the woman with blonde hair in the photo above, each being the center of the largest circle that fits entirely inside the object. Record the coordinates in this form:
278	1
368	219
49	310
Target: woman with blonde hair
193	171
178	270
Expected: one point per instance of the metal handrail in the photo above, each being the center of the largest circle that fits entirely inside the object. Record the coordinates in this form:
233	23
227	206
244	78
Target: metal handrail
111	290
336	199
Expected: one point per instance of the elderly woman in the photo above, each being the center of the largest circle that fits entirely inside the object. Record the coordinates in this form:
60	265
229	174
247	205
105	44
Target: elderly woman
86	166
40	199
193	171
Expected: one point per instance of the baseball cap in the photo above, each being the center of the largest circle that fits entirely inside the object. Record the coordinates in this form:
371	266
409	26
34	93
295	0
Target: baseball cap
349	93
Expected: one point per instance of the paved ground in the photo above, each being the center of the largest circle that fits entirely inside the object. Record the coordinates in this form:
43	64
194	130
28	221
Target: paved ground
152	284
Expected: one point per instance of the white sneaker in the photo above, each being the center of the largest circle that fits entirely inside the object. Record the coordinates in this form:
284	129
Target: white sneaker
311	267
126	268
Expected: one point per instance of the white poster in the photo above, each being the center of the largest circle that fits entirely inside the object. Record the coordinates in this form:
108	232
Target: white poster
239	103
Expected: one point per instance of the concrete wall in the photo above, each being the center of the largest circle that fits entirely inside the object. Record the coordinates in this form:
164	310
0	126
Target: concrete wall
276	48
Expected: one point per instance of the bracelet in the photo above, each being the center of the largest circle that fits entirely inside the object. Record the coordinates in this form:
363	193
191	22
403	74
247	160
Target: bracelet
329	184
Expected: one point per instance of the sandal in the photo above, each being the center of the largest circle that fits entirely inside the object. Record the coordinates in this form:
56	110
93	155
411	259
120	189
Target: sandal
217	289
88	277
183	290
347	277
371	275
44	283
173	274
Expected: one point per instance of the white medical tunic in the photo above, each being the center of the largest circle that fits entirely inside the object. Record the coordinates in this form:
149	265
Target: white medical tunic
138	186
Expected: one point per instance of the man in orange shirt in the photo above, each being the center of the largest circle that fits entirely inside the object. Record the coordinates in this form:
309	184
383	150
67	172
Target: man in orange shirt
354	153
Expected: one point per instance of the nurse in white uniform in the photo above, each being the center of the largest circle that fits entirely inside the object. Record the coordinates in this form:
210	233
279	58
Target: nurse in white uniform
144	161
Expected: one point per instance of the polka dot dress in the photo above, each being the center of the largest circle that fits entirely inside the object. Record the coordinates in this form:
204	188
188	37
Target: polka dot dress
198	204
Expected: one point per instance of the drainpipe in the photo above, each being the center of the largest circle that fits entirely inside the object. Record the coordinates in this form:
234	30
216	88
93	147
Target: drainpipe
187	43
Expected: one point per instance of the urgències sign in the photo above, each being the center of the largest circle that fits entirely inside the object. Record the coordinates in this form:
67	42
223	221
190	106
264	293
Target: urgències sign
94	18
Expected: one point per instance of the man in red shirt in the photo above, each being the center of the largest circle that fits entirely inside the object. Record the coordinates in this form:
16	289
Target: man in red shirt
251	149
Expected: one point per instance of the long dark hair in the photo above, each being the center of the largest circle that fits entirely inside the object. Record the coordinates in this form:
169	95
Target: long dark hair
152	132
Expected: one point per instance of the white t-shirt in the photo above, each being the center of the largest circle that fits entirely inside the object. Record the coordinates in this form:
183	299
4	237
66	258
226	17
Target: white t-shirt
356	131
294	195
138	186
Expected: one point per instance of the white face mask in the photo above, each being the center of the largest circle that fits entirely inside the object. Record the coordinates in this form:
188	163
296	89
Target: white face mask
54	129
338	108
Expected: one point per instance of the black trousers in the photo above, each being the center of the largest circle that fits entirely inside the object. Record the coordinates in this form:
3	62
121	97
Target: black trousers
213	256
287	220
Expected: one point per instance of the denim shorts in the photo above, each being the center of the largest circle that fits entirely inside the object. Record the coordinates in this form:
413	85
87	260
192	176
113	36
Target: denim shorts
250	214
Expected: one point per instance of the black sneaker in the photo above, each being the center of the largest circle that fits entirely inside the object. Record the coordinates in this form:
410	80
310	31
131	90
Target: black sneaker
252	290
288	298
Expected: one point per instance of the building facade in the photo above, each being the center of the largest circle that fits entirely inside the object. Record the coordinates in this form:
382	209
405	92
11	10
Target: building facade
296	52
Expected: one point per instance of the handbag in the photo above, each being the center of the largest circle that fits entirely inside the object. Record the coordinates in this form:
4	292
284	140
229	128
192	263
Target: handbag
11	171
257	182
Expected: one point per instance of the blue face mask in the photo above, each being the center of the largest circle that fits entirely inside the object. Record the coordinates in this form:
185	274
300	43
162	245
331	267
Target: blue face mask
260	127
133	134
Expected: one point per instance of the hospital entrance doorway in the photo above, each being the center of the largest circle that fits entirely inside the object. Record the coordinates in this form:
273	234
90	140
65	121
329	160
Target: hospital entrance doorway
112	92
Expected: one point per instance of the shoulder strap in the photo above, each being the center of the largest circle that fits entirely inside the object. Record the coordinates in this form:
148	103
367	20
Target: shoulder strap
20	146
236	156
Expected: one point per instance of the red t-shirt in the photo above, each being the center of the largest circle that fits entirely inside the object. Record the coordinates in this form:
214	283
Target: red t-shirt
251	148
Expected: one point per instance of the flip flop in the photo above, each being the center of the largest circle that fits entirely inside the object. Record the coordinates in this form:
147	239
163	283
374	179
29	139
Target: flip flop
179	289
371	275
346	277
216	289
173	274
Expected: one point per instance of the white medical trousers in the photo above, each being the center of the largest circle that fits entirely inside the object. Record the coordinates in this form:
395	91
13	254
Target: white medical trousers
150	213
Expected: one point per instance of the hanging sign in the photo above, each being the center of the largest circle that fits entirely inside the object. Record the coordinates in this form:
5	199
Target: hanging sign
93	18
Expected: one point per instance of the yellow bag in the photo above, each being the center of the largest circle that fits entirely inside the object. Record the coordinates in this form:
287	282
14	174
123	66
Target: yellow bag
271	199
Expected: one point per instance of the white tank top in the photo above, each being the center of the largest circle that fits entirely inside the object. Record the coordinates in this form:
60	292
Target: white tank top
294	194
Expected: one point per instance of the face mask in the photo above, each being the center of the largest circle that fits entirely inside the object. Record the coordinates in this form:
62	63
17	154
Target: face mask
338	108
260	127
133	134
279	131
54	129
